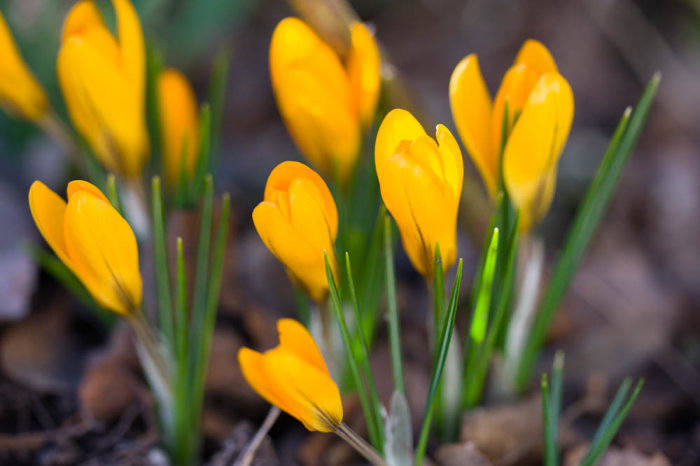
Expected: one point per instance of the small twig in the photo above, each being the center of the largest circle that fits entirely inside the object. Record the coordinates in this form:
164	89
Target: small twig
246	456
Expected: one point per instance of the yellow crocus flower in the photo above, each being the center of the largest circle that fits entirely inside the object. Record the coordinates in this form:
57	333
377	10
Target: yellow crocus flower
298	221
421	183
102	78
179	125
20	93
540	112
293	376
325	105
92	240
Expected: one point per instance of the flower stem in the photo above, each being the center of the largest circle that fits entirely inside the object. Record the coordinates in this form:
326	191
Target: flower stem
359	444
247	455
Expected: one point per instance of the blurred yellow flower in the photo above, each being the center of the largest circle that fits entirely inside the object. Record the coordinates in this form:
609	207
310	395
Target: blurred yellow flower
103	79
92	240
298	221
20	94
324	104
179	125
540	112
293	376
421	183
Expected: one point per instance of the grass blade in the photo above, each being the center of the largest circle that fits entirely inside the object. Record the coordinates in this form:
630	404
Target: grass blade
594	205
548	431
605	433
392	309
483	300
364	353
337	307
613	409
208	320
202	167
162	269
447	329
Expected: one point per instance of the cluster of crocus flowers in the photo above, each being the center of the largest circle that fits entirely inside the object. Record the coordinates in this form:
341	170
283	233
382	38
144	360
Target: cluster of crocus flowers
298	222
421	183
293	376
179	126
540	108
326	104
93	240
20	93
102	78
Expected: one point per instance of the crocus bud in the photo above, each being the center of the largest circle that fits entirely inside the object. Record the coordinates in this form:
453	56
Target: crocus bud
179	125
421	183
102	78
324	104
93	240
293	376
298	222
540	111
20	94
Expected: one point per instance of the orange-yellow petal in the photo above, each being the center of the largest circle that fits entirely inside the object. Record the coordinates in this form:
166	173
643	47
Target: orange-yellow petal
293	377
177	110
131	44
48	210
534	147
536	56
286	173
103	250
20	93
363	65
471	110
314	97
398	125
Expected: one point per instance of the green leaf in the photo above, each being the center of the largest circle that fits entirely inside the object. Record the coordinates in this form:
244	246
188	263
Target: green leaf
551	407
154	65
113	193
447	328
364	356
337	307
162	269
392	309
201	168
483	300
611	423
587	218
208	318
438	290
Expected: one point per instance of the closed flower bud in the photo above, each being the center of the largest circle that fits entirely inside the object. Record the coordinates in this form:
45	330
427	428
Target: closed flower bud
325	104
540	111
102	78
92	240
20	94
179	126
298	222
293	376
421	184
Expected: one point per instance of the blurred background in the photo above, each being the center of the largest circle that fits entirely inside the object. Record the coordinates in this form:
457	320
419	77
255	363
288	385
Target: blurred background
633	307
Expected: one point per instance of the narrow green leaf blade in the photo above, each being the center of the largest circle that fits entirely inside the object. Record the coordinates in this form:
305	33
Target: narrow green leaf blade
165	305
392	309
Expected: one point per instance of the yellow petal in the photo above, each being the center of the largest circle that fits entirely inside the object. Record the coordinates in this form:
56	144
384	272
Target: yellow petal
103	84
304	261
363	65
177	109
314	98
296	339
536	56
533	60
471	109
294	377
284	174
103	250
534	147
131	45
83	16
77	186
421	184
398	125
20	93
48	210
